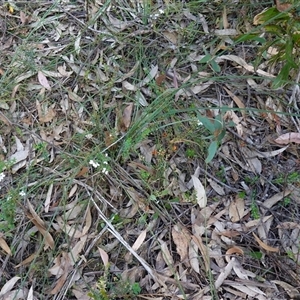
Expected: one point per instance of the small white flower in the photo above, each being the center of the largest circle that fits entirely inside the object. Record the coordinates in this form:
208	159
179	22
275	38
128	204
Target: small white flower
89	136
94	164
2	176
199	123
161	11
22	194
105	171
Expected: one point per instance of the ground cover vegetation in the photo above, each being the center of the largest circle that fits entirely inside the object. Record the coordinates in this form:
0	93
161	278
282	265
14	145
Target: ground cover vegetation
149	149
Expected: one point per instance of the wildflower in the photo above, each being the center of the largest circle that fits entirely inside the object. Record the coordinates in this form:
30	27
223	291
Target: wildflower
94	164
105	171
22	194
199	123
89	136
2	176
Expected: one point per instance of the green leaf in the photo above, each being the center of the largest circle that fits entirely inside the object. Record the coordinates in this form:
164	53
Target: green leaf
205	59
269	15
212	150
282	77
289	53
218	123
215	66
275	29
221	135
250	37
207	123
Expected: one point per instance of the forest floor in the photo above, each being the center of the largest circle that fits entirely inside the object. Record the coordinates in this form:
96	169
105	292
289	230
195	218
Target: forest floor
145	153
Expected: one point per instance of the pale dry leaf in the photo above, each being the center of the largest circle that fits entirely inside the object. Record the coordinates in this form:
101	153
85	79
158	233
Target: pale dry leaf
256	222
231	115
237	100
88	221
24	19
18	293
49	242
4	246
236	209
74	212
52	74
264	245
63	70
61	281
239	270
77	44
216	187
264	228
128	86
81	71
226	32
168	258
194	256
291	291
171	36
127	113
243	63
35	215
181	238
200	192
140	98
253	163
290	137
57	269
24	76
76	249
73	96
224	273
73	191
139	241
45	115
9	285
251	291
43	81
118	24
204	251
19	156
27	261
130	73
48	198
159	262
149	77
225	18
30	294
271	153
276	198
80	294
193	91
19	160
69	230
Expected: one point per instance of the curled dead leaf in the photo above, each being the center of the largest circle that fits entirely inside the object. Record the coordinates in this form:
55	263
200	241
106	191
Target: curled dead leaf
290	137
264	245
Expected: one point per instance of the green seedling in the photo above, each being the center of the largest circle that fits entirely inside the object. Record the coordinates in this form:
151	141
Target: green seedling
217	129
